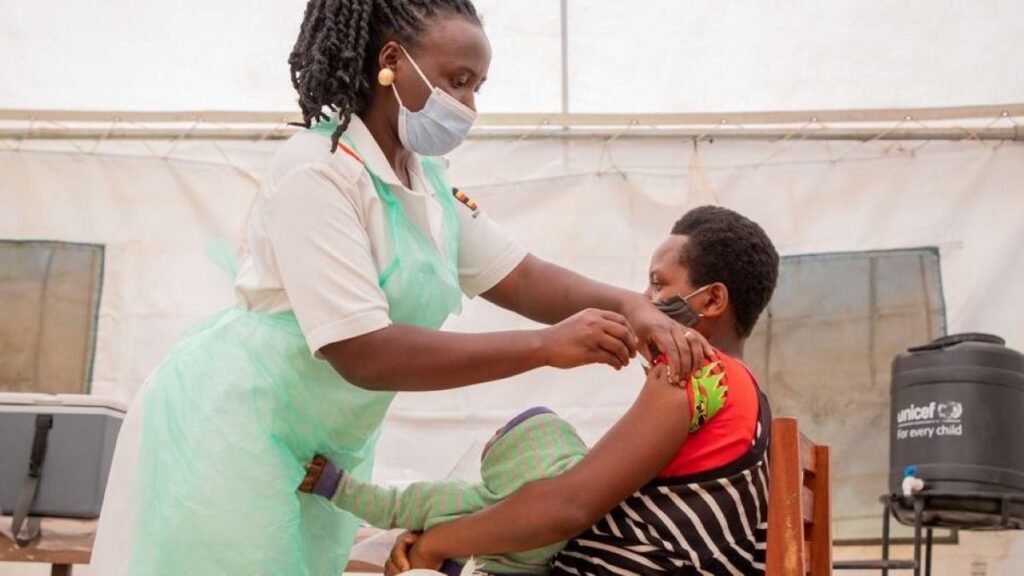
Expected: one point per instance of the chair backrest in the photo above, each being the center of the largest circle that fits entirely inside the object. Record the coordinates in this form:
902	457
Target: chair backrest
799	504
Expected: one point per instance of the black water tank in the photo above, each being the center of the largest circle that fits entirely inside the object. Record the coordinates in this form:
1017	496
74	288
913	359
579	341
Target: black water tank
958	424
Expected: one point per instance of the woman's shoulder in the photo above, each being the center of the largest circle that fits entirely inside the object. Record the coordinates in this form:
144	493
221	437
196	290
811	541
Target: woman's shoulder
736	371
741	388
310	152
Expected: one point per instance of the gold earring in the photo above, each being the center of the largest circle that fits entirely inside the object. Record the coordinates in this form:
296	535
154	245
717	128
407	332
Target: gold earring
386	77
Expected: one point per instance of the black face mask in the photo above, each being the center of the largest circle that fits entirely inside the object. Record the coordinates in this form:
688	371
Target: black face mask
678	309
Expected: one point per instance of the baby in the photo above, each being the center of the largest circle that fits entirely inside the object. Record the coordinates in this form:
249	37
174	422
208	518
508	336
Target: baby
534	445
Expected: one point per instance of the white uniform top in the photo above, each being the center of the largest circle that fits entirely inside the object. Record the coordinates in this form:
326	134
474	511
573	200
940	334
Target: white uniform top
318	238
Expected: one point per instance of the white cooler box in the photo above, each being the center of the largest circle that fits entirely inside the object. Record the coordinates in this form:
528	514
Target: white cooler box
80	432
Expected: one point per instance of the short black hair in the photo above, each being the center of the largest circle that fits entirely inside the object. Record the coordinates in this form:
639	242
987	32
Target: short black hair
334	61
725	246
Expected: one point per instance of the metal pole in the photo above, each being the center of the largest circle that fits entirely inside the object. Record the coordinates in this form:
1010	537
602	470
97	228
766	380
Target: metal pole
928	554
714	118
556	133
885	538
564	23
565	56
918	520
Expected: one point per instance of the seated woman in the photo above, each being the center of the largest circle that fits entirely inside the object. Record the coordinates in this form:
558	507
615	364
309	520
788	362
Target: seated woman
651	497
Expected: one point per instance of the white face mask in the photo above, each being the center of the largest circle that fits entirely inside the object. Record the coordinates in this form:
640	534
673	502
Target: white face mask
439	127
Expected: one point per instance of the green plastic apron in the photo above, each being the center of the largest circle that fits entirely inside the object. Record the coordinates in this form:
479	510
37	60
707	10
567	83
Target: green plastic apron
239	406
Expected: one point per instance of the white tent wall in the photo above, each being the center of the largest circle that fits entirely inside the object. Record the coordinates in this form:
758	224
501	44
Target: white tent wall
650	56
154	219
598	207
668	55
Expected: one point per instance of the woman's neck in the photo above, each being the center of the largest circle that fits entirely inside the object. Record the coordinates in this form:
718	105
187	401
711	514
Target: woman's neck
387	138
725	339
731	346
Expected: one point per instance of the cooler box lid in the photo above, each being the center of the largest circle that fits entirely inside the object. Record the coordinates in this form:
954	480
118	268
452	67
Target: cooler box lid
60	400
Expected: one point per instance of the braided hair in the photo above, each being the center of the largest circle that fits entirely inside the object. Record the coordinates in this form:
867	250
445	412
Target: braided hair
334	60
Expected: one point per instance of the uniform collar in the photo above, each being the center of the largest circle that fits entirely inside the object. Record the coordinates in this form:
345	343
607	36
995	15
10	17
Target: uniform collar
374	157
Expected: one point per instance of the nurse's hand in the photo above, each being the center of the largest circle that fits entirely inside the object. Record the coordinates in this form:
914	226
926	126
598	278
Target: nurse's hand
589	337
658	334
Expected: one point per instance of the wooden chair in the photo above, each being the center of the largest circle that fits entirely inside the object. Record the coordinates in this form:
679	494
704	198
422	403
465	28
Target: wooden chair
799	504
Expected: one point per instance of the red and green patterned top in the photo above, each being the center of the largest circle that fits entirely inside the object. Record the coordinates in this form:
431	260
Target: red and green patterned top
723	418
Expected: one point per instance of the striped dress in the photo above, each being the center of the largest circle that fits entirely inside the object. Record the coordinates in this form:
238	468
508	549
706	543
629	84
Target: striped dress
713	522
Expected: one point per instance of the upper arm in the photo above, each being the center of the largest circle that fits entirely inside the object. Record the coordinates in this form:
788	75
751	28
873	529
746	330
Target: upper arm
324	256
630	454
508	291
487	255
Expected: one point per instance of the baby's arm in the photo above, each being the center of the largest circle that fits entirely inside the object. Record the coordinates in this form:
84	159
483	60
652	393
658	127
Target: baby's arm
385	507
630	454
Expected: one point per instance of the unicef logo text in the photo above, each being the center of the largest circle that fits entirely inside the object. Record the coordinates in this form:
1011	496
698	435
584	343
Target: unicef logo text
934	419
931	411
